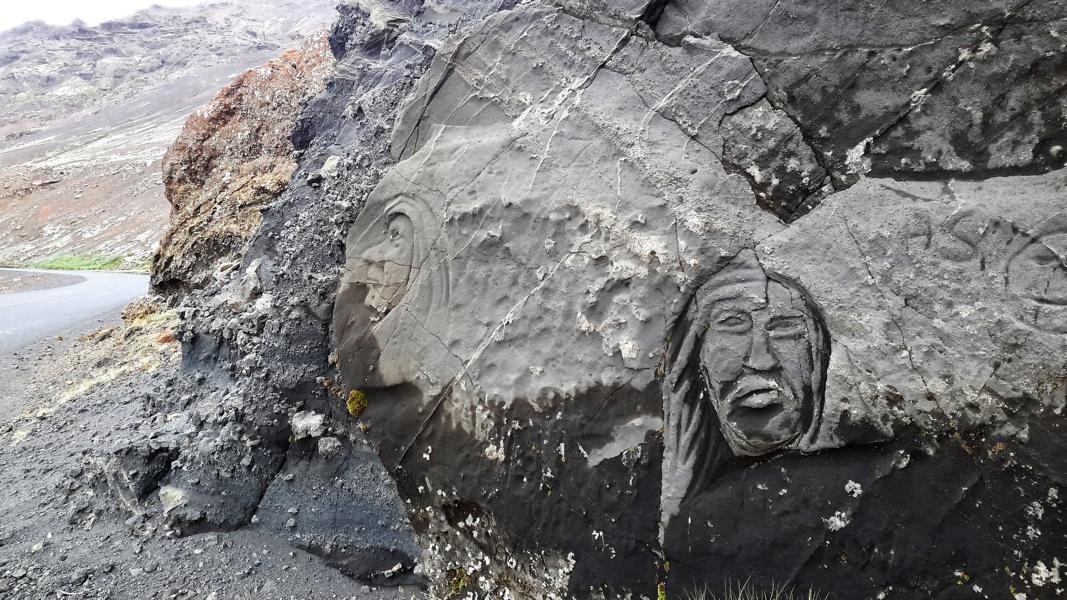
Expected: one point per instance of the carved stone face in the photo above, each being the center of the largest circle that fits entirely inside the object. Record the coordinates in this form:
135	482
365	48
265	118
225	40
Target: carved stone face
756	360
1038	273
387	266
392	260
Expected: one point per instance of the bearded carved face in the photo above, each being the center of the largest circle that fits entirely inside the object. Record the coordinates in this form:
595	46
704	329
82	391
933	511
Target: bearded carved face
393	295
756	360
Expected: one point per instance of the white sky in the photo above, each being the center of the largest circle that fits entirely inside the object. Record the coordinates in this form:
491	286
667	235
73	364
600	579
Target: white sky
62	12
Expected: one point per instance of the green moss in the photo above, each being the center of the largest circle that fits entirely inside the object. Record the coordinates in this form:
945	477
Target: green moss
457	581
72	262
357	402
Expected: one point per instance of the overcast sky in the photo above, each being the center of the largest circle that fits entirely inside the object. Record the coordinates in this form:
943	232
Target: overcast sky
62	12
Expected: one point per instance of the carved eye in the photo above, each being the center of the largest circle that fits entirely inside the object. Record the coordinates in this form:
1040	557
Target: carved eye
733	322
394	233
1044	258
787	327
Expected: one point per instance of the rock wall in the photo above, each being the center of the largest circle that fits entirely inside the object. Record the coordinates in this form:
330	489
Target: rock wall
635	298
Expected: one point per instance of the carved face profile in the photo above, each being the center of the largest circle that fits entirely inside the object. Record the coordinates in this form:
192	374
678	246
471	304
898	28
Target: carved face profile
387	265
1037	273
745	375
393	293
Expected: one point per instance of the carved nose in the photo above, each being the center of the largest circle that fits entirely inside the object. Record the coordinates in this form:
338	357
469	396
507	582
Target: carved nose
375	254
760	357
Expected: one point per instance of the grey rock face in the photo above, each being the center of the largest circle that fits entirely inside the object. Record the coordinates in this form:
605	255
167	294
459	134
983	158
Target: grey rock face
904	88
612	320
766	147
563	235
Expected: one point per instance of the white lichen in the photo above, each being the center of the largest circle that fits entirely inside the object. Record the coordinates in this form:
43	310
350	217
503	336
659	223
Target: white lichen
838	521
853	489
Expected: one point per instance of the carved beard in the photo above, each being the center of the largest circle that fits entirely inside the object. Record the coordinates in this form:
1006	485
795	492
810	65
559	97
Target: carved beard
767	402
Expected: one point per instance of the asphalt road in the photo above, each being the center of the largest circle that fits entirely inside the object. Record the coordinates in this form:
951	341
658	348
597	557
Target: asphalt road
26	317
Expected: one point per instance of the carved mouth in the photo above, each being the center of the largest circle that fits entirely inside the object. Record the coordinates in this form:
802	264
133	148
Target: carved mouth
756	393
759	399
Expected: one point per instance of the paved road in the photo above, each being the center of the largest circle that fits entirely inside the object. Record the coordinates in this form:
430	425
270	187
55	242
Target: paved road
26	317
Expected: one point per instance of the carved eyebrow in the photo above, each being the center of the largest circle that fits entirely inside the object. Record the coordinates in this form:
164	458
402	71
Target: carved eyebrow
789	310
738	297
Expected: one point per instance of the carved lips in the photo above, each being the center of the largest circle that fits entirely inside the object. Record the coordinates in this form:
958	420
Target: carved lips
762	410
755	392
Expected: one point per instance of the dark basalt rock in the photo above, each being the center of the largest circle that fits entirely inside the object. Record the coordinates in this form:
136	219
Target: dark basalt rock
905	89
766	147
336	502
921	517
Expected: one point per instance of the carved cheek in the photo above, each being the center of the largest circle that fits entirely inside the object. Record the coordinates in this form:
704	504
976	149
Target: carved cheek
396	272
1029	279
397	266
1048	283
722	357
794	356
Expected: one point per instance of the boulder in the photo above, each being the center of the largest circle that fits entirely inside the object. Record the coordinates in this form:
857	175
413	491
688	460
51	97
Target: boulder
635	299
599	361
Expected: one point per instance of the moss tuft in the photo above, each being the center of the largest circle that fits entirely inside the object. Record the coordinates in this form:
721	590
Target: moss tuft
357	402
457	580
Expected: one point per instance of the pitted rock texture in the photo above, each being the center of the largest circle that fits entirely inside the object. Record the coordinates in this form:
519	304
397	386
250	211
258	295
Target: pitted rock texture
232	157
767	148
589	230
624	314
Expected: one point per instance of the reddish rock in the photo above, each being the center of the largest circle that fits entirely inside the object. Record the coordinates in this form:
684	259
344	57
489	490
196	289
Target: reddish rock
232	157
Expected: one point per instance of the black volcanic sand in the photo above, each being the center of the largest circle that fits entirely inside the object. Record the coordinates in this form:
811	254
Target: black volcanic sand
58	538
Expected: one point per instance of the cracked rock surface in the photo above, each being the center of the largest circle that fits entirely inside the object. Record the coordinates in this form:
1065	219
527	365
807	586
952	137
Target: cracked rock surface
641	297
909	88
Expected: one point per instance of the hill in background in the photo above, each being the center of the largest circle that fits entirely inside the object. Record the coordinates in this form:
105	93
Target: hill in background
90	111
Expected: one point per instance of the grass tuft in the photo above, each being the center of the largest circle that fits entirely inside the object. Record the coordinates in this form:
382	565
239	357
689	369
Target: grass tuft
747	591
77	262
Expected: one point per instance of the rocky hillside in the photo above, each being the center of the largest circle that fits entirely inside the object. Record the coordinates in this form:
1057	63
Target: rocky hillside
89	112
48	72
